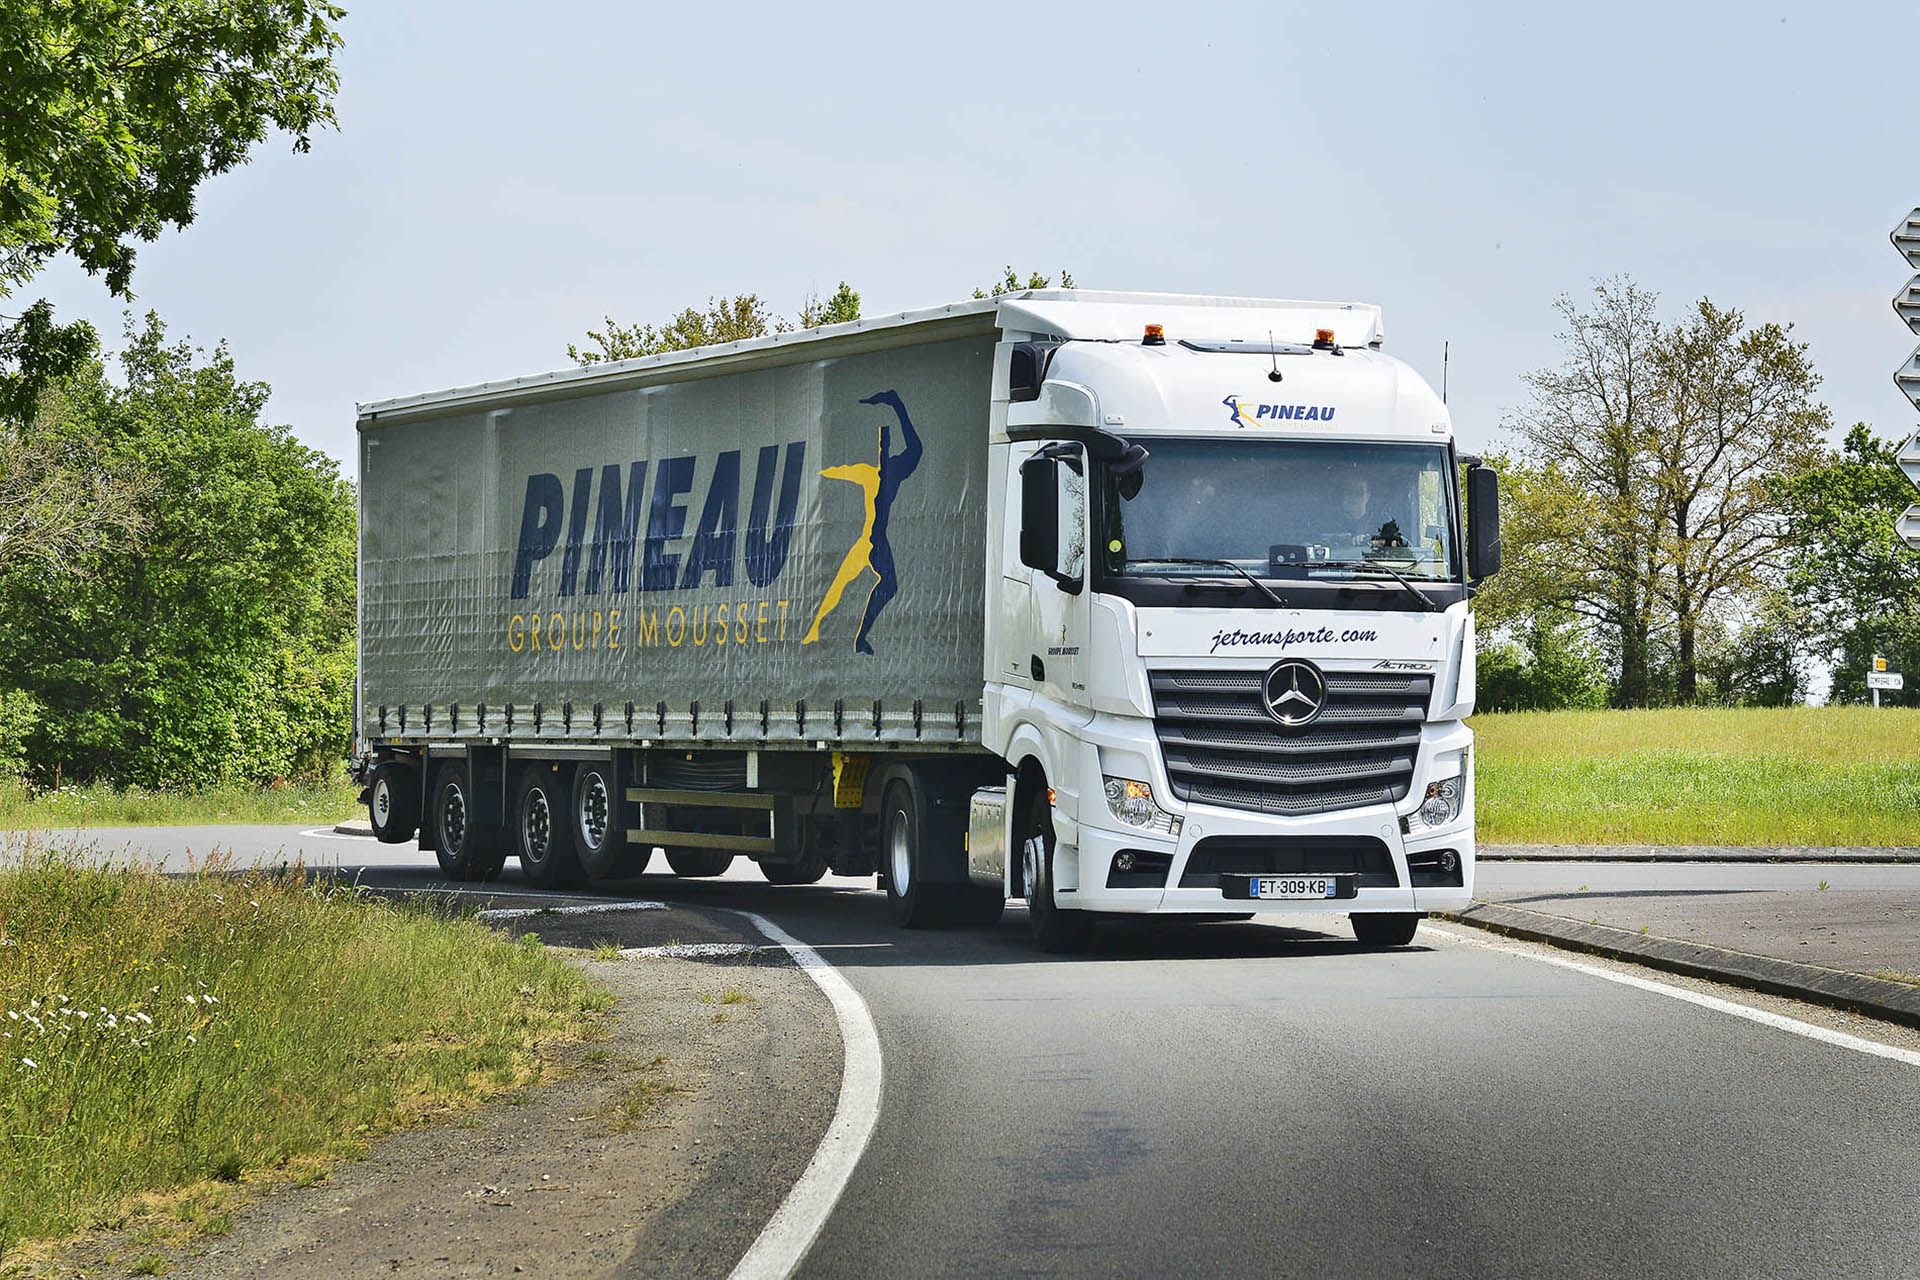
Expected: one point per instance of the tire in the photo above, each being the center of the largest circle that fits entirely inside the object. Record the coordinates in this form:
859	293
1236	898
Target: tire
1055	929
393	802
542	832
1385	928
599	844
699	864
913	903
467	850
806	871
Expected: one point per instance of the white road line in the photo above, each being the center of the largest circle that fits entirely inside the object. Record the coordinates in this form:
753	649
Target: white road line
781	1245
690	951
1779	1022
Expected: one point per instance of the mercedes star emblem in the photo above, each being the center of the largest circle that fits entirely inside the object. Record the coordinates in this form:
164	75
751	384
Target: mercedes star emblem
1295	692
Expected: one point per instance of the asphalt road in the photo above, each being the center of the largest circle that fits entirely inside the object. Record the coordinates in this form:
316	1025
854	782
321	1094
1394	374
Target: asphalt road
1248	1099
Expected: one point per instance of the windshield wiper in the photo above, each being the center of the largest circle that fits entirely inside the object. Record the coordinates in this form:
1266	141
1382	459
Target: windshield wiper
1265	590
1425	600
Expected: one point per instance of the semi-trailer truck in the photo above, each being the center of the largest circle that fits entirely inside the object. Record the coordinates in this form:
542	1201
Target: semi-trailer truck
1122	604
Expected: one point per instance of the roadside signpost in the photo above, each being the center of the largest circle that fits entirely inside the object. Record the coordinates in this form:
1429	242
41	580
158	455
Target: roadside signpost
1880	678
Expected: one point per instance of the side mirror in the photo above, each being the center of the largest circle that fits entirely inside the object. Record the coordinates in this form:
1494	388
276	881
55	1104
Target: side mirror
1483	523
1053	515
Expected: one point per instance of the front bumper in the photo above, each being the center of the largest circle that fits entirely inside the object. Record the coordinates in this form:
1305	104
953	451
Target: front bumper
1099	837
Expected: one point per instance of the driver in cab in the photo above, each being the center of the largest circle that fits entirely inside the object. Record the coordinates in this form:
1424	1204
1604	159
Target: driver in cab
1350	521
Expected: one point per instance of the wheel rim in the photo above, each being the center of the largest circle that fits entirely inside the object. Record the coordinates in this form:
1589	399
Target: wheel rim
382	801
536	826
453	819
899	856
1030	868
593	811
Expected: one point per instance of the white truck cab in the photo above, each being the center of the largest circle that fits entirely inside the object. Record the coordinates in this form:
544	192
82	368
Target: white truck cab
1229	651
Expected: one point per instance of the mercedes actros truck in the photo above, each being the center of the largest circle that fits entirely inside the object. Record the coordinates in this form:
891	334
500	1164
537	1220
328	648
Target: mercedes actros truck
1121	604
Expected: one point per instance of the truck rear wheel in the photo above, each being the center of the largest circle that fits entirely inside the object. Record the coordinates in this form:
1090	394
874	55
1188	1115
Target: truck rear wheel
468	851
599	842
913	903
1385	928
542	835
1054	928
699	864
393	802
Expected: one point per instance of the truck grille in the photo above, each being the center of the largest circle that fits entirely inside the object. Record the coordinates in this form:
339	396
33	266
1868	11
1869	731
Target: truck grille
1222	747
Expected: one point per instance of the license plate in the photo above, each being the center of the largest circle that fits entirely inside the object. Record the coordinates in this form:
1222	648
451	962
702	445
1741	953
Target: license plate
1294	887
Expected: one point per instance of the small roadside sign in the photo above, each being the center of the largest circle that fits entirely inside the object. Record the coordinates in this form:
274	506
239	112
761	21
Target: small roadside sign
1885	680
1906	237
1879	663
1906	526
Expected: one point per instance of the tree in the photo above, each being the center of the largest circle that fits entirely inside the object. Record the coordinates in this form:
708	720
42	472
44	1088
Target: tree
1010	283
842	308
113	113
1737	411
1588	422
1856	584
725	320
215	642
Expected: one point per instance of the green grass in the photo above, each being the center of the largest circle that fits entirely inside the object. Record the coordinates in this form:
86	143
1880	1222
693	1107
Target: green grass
1792	776
172	1040
101	806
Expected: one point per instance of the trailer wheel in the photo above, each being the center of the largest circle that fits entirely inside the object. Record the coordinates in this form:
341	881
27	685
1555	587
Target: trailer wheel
699	864
913	902
1385	928
393	803
599	844
806	871
467	850
1054	928
542	835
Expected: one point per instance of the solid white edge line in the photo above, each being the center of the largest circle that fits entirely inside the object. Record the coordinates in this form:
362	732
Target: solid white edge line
1779	1022
516	913
777	1252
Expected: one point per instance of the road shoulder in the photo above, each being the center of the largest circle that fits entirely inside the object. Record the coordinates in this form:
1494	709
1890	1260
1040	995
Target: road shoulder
661	1150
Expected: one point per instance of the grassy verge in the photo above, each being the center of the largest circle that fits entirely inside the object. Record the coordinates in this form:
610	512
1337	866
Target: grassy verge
168	1035
1793	776
101	806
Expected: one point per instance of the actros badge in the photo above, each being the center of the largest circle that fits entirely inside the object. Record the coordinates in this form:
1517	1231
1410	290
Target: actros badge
1295	692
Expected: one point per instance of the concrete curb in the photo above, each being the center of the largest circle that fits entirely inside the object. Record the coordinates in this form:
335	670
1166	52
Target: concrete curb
353	827
1855	993
1694	853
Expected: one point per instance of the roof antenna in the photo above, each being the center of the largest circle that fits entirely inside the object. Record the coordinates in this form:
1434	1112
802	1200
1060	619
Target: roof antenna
1446	350
1275	353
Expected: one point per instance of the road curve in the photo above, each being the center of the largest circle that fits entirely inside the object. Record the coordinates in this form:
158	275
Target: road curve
1244	1099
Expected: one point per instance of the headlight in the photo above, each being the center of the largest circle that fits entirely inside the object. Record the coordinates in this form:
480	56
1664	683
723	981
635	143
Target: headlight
1440	806
1132	803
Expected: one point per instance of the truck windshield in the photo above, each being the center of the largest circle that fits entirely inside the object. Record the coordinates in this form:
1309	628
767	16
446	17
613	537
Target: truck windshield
1283	509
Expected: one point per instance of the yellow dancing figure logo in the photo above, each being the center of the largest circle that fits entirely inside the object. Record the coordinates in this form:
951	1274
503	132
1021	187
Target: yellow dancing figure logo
879	483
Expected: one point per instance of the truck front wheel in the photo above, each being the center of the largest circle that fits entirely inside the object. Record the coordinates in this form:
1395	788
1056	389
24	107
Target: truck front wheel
468	851
1385	928
393	802
1054	928
542	835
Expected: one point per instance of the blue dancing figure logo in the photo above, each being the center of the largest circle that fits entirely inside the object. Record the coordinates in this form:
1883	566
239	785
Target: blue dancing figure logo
879	483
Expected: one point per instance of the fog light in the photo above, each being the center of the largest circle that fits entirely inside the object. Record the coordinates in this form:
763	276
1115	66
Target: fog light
1123	861
1132	803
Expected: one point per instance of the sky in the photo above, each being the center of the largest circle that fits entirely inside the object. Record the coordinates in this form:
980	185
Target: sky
504	176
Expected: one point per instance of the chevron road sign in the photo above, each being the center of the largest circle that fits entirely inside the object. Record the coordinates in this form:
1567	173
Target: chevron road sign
1906	238
1906	303
1907	526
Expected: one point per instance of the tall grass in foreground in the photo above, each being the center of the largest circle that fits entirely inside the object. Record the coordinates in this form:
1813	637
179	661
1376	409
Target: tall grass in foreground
95	805
1789	776
159	1031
